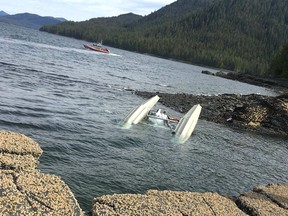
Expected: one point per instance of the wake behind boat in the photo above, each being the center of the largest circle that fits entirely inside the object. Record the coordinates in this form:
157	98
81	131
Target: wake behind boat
98	47
182	129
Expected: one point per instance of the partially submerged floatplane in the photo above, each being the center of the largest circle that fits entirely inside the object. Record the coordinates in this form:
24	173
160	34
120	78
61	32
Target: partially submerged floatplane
183	128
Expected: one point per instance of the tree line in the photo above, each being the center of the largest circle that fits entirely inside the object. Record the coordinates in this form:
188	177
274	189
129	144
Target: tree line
239	35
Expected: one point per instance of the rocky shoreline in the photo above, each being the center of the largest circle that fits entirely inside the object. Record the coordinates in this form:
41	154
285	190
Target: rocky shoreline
258	113
24	190
279	85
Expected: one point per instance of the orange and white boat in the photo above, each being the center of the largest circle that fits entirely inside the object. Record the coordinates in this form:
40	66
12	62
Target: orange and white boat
97	47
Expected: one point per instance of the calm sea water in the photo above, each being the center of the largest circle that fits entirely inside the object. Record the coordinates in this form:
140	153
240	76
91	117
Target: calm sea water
72	100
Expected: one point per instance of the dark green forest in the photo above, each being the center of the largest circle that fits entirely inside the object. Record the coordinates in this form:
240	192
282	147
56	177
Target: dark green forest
279	64
239	35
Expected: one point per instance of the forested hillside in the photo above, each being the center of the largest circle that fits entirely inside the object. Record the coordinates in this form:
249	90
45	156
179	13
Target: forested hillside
240	35
96	29
174	12
279	65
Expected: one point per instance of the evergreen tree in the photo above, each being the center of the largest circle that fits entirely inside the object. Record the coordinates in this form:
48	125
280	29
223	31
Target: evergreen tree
279	65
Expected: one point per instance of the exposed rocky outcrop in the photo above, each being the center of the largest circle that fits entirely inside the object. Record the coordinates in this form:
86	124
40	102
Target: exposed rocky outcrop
209	72
258	113
165	203
23	189
279	85
269	200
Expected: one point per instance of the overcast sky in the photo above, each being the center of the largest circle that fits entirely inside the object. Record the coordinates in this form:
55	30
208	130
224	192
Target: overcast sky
80	10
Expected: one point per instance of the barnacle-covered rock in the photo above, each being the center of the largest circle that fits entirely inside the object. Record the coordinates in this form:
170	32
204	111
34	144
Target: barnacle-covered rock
23	189
165	203
18	144
266	200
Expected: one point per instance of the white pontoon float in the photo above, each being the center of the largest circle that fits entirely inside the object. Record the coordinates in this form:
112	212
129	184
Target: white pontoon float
140	112
187	123
184	128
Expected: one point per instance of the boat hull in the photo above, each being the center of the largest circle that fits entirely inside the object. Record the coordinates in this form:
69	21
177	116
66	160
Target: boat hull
97	49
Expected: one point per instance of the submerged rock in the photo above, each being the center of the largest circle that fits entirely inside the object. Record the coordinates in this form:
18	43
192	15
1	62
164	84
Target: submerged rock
25	190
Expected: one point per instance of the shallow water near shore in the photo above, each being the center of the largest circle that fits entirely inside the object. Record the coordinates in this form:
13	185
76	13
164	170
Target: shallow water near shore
72	101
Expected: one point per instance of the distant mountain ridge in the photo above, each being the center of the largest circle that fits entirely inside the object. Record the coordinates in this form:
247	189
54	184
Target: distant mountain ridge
29	20
239	35
3	13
